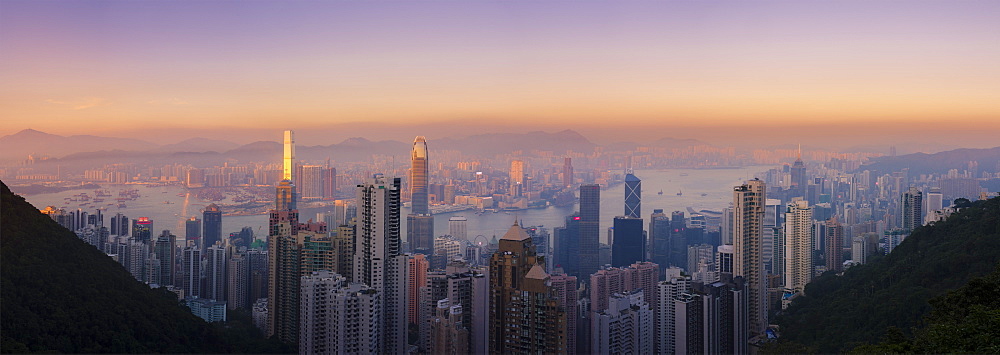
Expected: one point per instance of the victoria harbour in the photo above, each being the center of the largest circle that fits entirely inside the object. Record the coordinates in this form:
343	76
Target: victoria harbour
710	189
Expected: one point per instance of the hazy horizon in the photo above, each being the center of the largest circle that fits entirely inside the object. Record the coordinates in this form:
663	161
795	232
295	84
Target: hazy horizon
835	74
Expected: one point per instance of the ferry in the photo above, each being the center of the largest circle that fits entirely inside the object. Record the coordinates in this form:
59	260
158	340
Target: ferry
679	193
660	193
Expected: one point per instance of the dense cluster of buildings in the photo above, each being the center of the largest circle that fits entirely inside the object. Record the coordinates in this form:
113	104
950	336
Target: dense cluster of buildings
695	282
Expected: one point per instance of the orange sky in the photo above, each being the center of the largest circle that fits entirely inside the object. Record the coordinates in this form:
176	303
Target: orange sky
78	68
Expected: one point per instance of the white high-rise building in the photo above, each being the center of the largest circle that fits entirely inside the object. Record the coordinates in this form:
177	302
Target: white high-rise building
773	243
457	227
625	327
191	282
377	259
215	273
798	246
933	201
337	317
238	284
674	286
452	248
461	286
748	222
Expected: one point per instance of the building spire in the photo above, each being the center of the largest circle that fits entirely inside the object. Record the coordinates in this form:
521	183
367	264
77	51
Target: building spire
800	152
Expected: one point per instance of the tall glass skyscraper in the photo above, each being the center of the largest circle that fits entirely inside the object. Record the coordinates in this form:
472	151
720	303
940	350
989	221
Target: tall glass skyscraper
419	175
633	195
590	220
212	221
630	242
420	223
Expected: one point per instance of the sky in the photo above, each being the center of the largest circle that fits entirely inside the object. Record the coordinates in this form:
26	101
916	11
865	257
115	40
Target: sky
691	68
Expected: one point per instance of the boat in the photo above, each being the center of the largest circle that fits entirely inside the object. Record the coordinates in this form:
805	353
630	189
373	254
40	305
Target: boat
167	203
121	205
660	193
679	193
703	194
684	174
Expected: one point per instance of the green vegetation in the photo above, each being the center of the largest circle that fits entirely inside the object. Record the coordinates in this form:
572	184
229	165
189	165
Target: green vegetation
885	301
59	294
966	320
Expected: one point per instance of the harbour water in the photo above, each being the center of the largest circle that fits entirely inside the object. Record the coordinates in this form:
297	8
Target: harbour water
170	206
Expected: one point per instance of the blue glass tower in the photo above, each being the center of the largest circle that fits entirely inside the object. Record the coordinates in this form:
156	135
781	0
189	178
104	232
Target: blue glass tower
633	195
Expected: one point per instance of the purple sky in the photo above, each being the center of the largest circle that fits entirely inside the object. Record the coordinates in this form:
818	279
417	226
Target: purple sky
103	66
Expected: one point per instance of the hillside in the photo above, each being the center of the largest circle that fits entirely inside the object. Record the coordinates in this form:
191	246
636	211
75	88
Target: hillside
843	312
62	295
937	163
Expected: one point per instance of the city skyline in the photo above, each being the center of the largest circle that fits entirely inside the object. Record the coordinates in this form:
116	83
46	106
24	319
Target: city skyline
815	175
687	67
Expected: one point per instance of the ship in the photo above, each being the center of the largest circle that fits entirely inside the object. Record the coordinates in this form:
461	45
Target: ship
679	193
704	194
660	193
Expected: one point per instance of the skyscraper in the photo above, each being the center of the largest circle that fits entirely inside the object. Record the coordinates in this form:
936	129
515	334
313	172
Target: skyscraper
461	286
773	242
911	207
165	250
419	176
834	252
377	259
517	178
420	223
192	271
215	273
238	282
933	202
284	253
748	215
633	195
567	178
142	229
192	231
567	246
668	290
678	239
625	327
629	244
288	158
457	227
799	178
659	238
590	225
119	225
213	225
525	314
417	279
798	246
420	233
565	288
338	317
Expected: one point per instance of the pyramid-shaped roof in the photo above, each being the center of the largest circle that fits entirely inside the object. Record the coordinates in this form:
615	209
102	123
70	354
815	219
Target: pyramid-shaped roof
537	272
515	233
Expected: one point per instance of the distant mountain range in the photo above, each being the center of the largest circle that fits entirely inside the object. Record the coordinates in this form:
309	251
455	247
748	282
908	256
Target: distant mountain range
937	163
79	149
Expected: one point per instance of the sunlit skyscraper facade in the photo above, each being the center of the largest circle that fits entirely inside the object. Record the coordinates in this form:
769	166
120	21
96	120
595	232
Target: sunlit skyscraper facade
419	176
748	215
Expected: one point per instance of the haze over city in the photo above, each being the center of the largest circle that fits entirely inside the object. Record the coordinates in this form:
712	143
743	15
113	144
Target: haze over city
499	177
